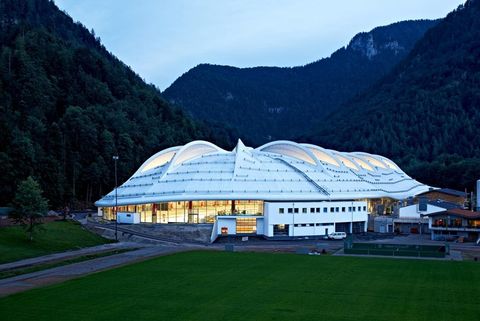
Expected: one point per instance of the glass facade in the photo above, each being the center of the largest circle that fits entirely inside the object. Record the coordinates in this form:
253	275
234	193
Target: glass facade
188	211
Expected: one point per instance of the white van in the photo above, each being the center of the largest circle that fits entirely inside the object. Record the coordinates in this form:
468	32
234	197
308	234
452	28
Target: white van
337	236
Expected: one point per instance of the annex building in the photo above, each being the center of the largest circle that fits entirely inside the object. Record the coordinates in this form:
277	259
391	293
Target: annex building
282	188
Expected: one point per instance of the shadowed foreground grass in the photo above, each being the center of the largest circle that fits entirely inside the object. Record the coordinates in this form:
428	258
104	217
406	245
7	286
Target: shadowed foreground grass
54	237
257	286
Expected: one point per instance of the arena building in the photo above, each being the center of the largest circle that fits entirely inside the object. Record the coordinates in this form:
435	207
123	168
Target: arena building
282	188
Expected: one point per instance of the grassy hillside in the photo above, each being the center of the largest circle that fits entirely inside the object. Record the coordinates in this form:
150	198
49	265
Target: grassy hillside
55	237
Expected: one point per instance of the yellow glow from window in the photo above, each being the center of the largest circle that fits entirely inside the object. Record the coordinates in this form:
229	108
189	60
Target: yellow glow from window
363	164
390	164
324	157
158	161
374	161
348	162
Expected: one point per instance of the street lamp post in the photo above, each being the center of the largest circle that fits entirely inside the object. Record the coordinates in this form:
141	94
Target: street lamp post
351	218
115	158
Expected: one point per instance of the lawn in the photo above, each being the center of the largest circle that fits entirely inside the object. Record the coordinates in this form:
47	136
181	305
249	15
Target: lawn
55	237
257	286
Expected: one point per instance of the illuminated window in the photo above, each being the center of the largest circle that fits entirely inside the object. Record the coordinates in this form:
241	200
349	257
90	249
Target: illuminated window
324	157
246	225
363	164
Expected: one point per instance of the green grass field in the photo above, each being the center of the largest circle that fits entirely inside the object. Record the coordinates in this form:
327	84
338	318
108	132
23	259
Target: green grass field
56	237
257	286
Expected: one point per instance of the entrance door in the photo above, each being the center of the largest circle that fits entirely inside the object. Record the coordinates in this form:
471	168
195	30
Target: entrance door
193	218
280	229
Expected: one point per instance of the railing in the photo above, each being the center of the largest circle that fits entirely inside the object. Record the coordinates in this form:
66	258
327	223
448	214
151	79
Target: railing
456	228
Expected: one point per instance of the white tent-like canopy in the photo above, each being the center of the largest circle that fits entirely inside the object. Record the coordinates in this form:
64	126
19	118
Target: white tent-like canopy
277	171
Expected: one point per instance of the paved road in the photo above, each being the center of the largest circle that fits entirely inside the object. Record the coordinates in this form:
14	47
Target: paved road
62	273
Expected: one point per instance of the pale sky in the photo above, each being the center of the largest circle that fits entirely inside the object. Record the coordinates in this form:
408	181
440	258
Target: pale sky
162	39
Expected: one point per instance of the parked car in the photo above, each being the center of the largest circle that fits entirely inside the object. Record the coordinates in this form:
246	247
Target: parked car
336	236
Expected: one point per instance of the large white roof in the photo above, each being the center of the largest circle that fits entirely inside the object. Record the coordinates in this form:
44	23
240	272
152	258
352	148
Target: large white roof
277	171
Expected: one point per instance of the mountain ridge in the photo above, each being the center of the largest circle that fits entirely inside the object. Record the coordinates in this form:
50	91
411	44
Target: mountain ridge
426	112
268	103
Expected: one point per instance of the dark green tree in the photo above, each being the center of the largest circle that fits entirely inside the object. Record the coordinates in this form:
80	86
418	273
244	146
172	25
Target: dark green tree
30	206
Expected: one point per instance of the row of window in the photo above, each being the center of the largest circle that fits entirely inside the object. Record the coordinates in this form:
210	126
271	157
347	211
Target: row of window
313	224
343	209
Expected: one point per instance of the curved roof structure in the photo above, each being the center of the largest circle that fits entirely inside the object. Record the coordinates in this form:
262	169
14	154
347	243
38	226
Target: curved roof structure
277	171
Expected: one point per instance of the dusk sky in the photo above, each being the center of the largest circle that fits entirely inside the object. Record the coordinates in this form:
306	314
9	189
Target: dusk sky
161	40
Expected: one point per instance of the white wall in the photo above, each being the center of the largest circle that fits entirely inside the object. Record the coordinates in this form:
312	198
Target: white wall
412	211
273	216
228	222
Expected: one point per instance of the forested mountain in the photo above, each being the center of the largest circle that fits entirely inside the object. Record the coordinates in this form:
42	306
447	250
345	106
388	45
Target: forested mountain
67	105
267	103
426	113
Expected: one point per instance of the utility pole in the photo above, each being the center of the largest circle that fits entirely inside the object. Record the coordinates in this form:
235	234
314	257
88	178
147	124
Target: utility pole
115	159
351	219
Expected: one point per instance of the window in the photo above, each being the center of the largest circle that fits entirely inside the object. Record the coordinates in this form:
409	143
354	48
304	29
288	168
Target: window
290	210
312	209
325	210
318	224
365	208
343	209
296	225
332	209
295	210
303	225
304	210
349	208
353	209
281	210
337	209
318	209
246	225
359	208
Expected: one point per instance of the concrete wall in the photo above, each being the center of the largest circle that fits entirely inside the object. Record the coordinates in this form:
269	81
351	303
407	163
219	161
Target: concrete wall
175	232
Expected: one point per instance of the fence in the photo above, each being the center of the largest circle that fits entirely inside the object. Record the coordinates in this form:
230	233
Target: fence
414	250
